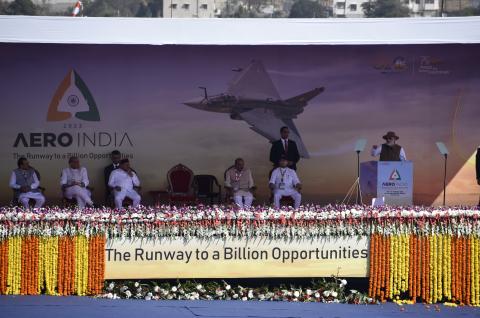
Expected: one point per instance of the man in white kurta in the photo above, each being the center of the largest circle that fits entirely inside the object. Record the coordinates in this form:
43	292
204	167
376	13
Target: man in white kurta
124	182
74	182
24	181
239	181
284	182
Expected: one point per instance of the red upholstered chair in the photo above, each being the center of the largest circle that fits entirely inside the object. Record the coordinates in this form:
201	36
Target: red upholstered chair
180	180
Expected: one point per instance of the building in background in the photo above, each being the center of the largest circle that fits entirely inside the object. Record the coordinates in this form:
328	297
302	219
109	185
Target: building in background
458	5
348	8
245	8
424	8
189	9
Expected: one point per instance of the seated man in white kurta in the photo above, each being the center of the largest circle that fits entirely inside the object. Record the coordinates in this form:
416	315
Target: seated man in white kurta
284	182
24	181
74	182
239	181
124	184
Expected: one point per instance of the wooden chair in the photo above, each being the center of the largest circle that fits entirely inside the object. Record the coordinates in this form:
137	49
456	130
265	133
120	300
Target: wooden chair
180	181
204	185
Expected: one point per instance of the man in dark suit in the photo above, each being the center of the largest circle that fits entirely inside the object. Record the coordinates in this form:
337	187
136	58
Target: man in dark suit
115	156
284	147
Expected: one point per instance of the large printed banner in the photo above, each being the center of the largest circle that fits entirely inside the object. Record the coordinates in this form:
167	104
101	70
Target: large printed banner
204	106
236	258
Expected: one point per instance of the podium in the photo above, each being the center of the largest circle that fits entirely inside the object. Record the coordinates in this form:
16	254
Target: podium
392	180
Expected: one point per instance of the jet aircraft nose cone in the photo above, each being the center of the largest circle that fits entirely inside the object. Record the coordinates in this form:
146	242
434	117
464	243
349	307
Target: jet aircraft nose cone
194	102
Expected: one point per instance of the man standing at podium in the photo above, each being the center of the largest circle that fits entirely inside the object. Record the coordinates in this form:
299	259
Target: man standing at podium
389	151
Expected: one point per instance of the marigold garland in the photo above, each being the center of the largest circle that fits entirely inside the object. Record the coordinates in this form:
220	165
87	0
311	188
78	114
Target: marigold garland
51	265
29	273
432	268
14	265
96	265
3	266
81	264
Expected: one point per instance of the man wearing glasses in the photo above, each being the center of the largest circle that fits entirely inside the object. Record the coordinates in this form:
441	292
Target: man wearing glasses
389	151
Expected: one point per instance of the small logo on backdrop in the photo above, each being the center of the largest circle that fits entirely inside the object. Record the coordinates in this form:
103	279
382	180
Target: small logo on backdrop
397	65
432	66
73	98
395	176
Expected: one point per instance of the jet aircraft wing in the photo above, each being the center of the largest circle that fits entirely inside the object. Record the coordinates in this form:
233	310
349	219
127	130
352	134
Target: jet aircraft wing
267	124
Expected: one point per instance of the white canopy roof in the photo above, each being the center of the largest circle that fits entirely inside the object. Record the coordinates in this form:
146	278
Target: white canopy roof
158	31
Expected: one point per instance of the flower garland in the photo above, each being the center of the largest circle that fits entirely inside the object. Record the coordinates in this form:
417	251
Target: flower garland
96	264
416	253
29	272
331	290
48	267
223	221
81	264
66	265
434	268
14	262
32	265
3	266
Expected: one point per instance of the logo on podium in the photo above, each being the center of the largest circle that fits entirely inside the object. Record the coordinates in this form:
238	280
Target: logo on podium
395	176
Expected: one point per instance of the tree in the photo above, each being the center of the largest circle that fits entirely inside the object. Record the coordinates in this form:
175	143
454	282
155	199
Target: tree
143	10
156	8
385	9
308	9
465	12
3	7
22	7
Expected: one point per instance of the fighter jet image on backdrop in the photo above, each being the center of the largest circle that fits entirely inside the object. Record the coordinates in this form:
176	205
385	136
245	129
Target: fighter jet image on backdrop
251	96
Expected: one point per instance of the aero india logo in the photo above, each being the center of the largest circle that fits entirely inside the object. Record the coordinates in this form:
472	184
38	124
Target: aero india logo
395	176
73	98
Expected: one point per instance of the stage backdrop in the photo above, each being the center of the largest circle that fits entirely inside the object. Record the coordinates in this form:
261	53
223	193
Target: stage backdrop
164	105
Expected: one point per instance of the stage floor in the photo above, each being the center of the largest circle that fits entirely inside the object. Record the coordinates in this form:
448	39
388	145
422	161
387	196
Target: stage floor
80	307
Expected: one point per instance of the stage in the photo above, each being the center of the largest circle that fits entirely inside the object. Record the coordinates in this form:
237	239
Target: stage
422	254
76	307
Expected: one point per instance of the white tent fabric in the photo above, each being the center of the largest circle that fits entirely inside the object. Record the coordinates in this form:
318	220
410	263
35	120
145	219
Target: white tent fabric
89	30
